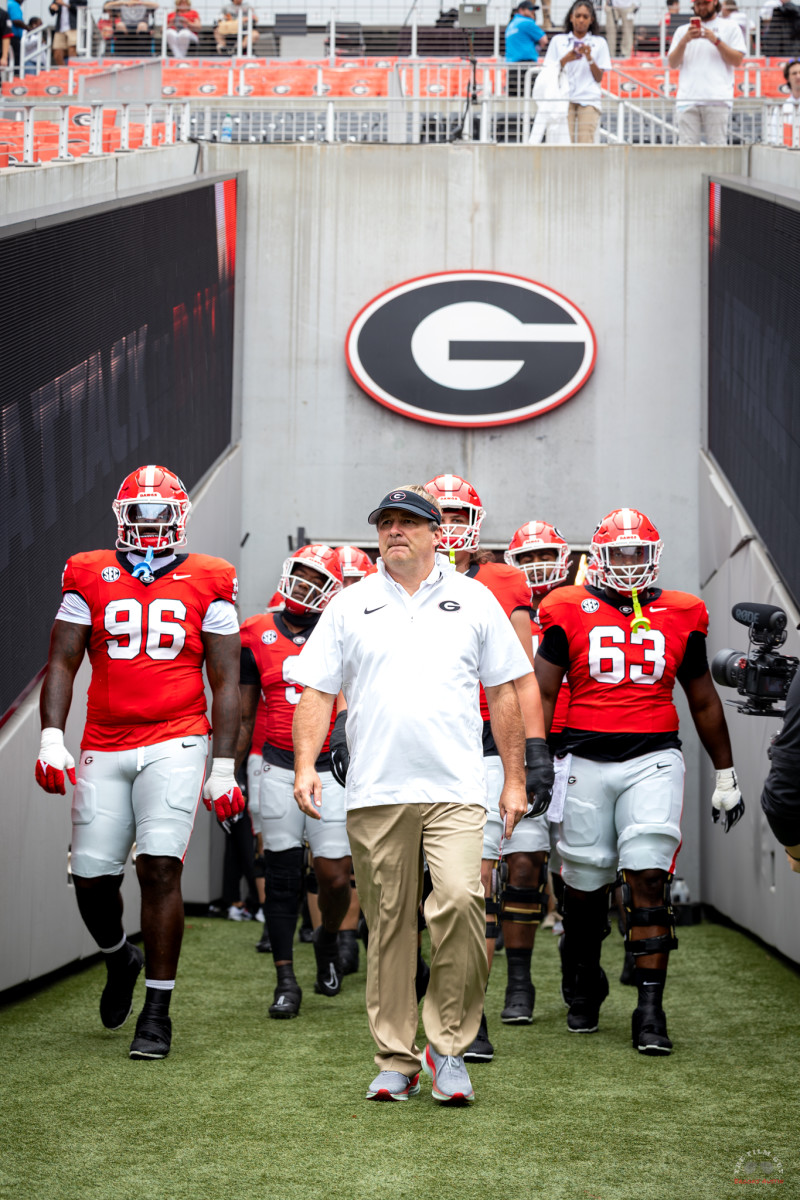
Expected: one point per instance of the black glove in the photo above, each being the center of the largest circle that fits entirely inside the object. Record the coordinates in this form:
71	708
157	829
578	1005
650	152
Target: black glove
340	755
539	776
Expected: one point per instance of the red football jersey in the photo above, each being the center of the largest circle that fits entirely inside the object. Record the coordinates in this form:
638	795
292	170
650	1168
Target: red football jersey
274	653
145	647
562	700
622	681
510	587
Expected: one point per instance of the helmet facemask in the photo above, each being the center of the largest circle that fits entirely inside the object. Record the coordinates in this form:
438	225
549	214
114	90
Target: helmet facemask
151	524
305	595
636	574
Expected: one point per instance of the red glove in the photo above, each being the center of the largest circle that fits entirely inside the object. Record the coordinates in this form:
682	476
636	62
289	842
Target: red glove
222	791
54	759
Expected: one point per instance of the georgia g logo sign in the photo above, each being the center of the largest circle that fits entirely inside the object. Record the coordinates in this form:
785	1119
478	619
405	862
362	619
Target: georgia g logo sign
470	348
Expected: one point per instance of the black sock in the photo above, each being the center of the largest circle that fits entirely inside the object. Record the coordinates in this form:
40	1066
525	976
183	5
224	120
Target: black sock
519	965
156	1001
326	938
650	985
585	926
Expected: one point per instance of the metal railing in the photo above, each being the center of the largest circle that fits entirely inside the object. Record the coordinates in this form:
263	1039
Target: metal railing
174	119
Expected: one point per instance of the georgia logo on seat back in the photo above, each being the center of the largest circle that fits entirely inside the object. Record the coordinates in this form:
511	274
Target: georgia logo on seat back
470	348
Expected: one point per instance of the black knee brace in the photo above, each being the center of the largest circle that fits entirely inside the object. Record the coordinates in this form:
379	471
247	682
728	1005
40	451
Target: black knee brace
494	902
534	900
663	915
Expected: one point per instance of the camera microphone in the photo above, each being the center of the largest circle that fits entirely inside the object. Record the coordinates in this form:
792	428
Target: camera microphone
763	616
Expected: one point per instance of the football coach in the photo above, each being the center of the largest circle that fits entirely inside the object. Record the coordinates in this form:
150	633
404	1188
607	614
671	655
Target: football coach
408	647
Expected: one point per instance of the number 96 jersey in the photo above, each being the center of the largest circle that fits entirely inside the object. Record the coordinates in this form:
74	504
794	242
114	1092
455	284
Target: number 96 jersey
621	680
145	646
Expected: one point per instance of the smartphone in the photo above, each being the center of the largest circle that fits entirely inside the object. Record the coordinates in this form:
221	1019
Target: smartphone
695	22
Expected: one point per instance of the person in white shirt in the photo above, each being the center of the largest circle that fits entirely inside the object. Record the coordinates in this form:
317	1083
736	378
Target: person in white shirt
706	52
583	54
408	647
619	19
732	12
785	118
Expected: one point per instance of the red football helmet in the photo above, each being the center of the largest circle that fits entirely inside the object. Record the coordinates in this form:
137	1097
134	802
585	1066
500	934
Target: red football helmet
354	562
538	535
152	507
304	595
627	534
454	492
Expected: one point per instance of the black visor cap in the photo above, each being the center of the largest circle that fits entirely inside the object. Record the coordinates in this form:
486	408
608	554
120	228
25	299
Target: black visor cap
407	502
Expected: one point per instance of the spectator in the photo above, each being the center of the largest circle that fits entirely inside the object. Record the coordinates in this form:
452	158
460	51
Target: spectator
128	19
780	799
706	54
228	26
788	114
6	33
619	27
524	39
184	27
65	32
17	25
34	53
673	9
584	55
782	35
731	12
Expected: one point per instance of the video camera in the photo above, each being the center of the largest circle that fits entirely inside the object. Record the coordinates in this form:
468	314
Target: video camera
761	675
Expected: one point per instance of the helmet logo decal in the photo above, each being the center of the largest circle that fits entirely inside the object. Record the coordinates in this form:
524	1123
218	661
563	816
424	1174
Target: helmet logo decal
470	348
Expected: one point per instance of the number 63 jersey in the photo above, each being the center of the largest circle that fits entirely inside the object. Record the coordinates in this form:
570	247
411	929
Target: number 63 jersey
145	645
621	680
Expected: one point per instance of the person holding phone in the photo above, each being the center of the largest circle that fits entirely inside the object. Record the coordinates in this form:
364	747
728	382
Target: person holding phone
706	52
583	54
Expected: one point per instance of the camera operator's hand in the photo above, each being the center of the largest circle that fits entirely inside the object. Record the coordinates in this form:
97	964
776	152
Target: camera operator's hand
727	804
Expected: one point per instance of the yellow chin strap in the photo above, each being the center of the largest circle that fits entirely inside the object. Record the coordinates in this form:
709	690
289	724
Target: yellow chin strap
638	622
452	556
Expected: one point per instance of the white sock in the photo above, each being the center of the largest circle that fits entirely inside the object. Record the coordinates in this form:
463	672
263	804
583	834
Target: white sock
160	985
114	949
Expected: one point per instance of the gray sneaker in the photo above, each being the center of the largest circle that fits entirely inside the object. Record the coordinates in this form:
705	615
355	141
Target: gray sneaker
448	1076
393	1085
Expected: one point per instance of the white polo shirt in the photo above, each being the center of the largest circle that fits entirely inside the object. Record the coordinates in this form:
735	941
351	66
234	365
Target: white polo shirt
705	78
410	667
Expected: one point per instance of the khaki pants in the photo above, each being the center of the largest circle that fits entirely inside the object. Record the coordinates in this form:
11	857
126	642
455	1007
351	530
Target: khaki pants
620	16
582	120
387	843
704	122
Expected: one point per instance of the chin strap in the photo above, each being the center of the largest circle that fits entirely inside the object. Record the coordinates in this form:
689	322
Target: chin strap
142	570
638	622
452	556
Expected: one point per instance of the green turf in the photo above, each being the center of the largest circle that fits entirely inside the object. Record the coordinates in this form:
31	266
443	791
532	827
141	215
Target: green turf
246	1107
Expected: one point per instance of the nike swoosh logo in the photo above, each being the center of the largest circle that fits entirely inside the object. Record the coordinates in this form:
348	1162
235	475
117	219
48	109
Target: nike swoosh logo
188	745
654	609
367	611
182	576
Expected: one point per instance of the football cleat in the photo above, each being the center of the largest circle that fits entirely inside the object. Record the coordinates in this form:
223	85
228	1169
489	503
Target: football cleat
590	990
520	999
152	508
116	1002
649	1030
451	1082
393	1085
481	1049
288	994
265	945
153	1036
329	969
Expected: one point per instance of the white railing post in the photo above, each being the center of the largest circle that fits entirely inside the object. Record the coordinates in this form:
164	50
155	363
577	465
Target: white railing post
621	121
169	130
27	137
485	120
147	141
332	41
249	47
186	120
164	47
318	85
414	35
96	130
496	42
239	32
230	82
662	33
330	122
125	128
63	134
71	81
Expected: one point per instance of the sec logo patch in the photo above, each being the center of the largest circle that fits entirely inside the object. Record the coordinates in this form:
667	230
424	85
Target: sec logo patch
590	605
110	574
269	637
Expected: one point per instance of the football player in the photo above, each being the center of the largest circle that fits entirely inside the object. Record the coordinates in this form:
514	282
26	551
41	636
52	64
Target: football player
543	556
149	618
355	564
271	642
521	902
623	644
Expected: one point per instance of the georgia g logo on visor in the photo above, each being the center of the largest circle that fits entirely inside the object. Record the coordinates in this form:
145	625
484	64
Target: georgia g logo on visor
470	348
